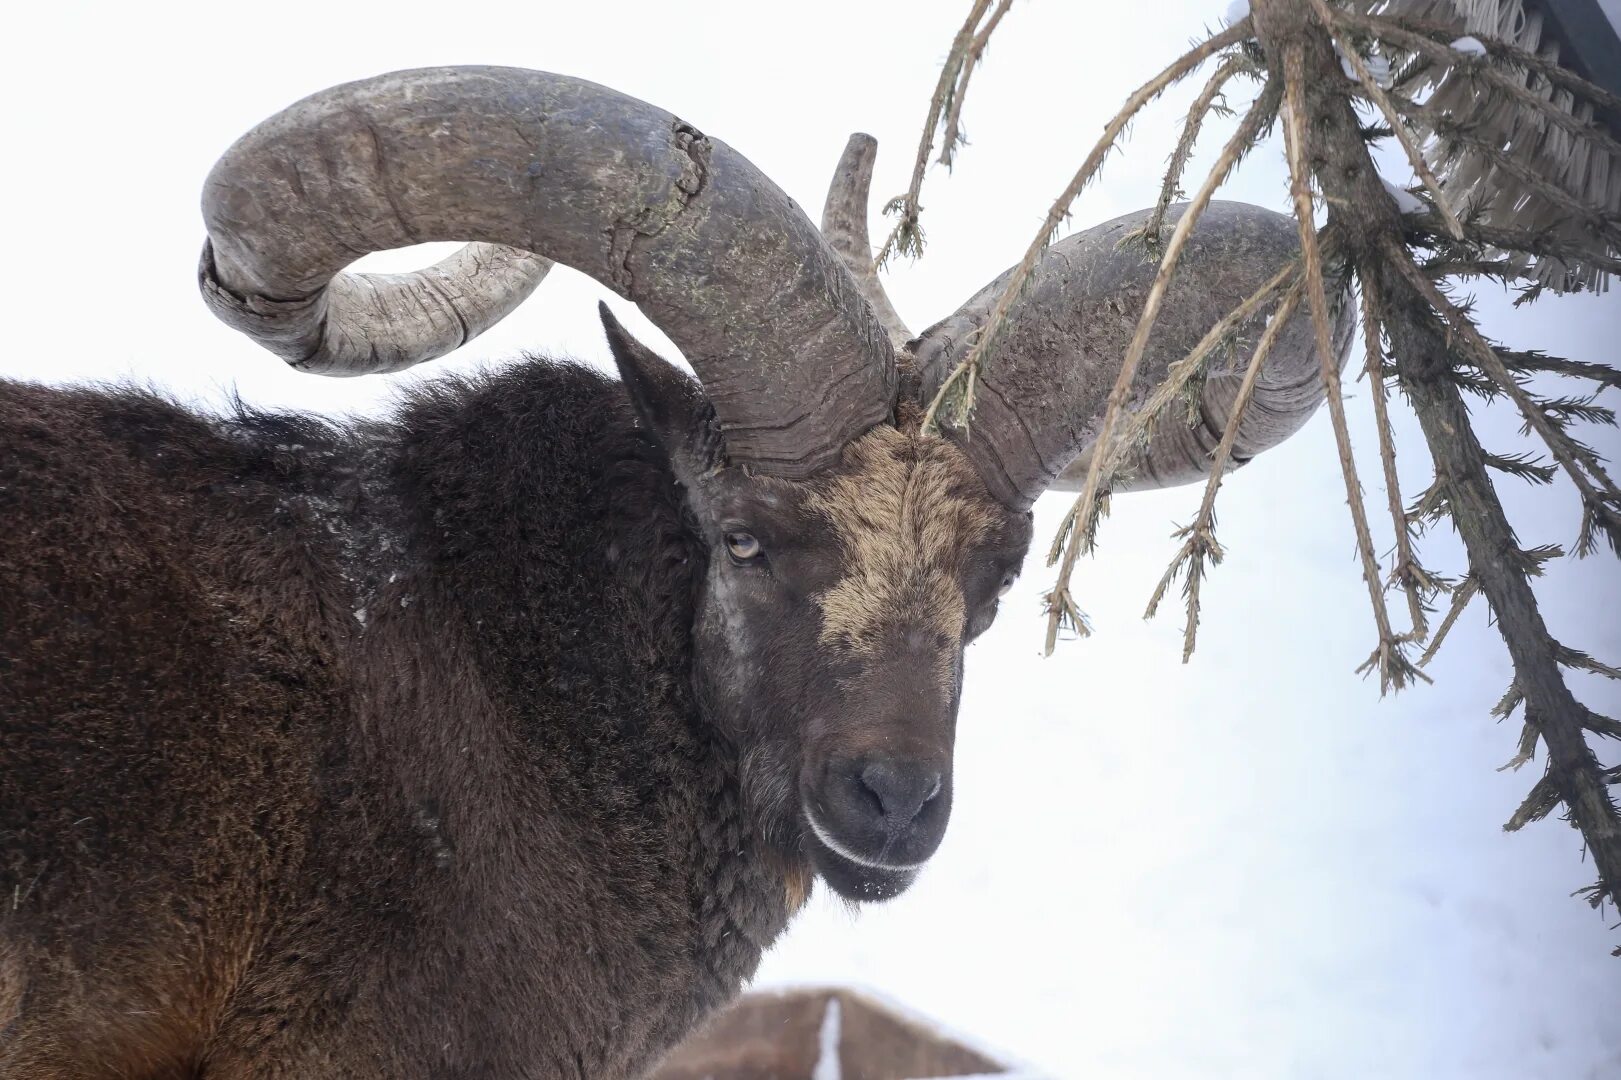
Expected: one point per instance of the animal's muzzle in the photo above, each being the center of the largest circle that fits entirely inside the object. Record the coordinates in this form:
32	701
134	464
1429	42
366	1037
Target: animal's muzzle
882	812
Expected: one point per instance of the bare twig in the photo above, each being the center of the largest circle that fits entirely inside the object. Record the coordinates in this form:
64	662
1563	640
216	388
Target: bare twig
1172	185
1178	375
1461	595
1406	569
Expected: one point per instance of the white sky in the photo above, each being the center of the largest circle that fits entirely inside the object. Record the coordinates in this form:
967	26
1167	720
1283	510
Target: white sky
1246	867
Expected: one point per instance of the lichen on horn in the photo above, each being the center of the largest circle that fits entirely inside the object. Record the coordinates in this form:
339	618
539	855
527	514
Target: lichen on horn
791	354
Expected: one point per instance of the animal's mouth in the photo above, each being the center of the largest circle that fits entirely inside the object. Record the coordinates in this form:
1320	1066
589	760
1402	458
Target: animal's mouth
854	876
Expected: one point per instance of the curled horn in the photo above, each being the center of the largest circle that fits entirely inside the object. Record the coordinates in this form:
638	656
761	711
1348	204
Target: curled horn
1042	396
531	167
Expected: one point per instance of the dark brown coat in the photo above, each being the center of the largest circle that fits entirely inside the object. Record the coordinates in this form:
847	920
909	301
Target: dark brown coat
358	753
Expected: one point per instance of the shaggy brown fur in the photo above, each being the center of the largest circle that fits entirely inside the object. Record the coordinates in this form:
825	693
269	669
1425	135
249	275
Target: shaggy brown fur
375	752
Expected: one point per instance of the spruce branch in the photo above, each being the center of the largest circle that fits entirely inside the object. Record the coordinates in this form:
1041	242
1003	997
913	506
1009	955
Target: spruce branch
1525	466
967	370
1429	341
1486	358
1199	538
1454	136
1462	593
1171	187
1389	656
1542	800
953	136
1180	376
1530	361
1433	42
1370	86
907	235
1526	752
1259	115
1412	577
1543	243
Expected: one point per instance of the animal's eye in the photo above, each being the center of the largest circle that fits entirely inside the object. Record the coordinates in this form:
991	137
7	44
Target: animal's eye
742	546
1007	583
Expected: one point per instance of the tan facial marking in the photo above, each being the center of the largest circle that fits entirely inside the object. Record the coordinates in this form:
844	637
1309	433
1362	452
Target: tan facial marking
906	511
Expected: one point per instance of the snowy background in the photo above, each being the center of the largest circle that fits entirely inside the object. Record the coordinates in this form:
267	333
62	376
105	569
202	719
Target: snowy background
1249	866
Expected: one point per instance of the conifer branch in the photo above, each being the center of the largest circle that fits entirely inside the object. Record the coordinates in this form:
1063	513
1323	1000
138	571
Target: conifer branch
907	235
1400	259
1199	538
1171	187
1433	42
1370	86
1259	115
967	370
953	136
1406	571
1388	656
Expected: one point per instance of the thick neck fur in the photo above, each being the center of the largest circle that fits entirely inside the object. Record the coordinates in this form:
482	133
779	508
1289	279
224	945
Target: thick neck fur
527	602
432	797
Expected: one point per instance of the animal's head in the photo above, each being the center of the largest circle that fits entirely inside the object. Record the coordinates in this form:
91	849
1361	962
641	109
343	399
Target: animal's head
831	624
851	555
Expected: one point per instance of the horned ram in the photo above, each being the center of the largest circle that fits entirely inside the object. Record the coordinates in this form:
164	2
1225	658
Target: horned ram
500	736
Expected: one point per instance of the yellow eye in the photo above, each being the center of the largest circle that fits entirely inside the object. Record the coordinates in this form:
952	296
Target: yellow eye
1007	583
742	546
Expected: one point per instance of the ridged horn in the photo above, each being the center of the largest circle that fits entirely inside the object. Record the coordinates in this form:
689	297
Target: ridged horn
1042	396
532	166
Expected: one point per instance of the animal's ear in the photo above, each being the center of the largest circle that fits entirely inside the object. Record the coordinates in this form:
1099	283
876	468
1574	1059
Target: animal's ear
669	402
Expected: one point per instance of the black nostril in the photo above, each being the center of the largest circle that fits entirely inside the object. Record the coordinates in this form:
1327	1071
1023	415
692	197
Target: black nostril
901	790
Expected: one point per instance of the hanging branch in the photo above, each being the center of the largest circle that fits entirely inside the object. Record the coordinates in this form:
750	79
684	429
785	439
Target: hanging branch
967	370
1061	607
1395	670
907	235
1139	424
1199	538
1370	86
1430	339
1171	187
1539	242
1434	348
953	137
1415	582
1434	43
1598	505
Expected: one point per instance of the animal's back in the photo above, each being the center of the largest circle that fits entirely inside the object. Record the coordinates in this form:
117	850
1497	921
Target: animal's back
166	670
